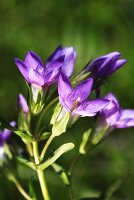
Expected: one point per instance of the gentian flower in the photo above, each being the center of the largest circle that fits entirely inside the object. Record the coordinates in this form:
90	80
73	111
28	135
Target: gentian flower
39	75
116	117
104	66
23	104
4	137
75	100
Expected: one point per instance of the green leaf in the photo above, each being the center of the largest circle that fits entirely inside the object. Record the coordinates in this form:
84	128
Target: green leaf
61	126
61	150
23	134
86	135
26	163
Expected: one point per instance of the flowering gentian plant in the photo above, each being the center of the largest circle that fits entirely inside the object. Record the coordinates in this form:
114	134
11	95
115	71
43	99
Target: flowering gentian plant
62	107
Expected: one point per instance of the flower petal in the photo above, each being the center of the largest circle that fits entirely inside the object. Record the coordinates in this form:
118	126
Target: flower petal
81	91
125	123
23	68
90	108
35	78
112	97
127	114
70	56
33	60
64	89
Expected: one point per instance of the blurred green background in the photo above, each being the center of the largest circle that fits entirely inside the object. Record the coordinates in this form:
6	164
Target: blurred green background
94	28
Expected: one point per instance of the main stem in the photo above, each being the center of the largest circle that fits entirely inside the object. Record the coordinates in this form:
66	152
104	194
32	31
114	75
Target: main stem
40	173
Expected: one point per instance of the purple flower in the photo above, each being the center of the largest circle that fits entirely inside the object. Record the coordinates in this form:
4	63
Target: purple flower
5	134
116	117
75	100
104	66
39	75
23	104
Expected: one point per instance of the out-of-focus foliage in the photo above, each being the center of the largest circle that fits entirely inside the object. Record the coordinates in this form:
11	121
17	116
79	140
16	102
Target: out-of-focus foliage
93	28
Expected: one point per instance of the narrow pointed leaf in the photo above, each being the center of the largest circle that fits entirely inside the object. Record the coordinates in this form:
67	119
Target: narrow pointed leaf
61	150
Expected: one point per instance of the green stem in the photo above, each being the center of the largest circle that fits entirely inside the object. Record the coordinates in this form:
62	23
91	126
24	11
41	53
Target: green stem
43	113
46	146
19	187
40	173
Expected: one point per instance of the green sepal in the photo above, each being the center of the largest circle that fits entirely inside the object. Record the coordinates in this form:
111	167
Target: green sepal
36	100
26	163
61	126
56	113
85	139
61	150
97	137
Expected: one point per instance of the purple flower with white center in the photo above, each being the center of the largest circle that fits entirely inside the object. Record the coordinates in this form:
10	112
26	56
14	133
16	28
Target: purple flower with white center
5	134
75	99
39	75
106	65
116	117
23	104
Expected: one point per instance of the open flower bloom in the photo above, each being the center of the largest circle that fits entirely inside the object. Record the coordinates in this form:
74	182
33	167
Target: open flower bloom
116	117
75	100
104	66
23	104
39	75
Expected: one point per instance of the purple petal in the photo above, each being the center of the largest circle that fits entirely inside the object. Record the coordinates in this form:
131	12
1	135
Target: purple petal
64	89
127	114
23	68
35	78
70	56
52	71
54	55
112	97
23	104
90	108
81	91
118	64
7	133
124	123
33	60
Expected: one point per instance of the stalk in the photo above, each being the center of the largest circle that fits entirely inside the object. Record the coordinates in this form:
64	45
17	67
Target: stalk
40	173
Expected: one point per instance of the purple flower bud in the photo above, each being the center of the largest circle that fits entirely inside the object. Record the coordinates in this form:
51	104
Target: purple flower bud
104	66
5	134
75	100
23	104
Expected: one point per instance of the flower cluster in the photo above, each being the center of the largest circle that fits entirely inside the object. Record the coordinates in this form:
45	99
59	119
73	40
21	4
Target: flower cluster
68	101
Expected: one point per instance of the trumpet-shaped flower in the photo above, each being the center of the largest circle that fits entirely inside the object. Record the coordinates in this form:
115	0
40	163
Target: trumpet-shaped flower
115	116
75	100
104	66
38	74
